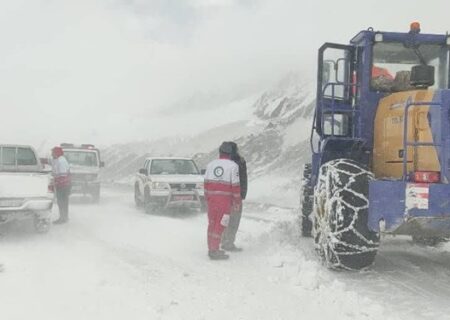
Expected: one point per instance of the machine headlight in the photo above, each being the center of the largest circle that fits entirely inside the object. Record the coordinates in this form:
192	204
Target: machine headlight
378	37
200	185
160	185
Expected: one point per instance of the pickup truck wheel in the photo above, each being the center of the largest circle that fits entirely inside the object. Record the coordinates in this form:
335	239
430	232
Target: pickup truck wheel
96	196
137	197
41	225
341	206
203	206
147	203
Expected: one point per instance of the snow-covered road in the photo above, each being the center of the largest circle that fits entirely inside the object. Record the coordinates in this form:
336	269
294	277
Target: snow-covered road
113	261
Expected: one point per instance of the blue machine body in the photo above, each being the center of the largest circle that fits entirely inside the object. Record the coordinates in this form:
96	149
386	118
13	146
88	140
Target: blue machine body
348	99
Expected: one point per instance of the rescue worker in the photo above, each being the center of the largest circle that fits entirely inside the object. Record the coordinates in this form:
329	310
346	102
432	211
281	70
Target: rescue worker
62	183
381	80
381	72
229	235
223	196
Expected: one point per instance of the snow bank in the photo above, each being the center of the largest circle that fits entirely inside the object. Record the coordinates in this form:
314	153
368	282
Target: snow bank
292	263
274	189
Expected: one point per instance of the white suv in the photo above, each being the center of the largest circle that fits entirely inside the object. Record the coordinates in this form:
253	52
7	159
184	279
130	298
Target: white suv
169	182
85	167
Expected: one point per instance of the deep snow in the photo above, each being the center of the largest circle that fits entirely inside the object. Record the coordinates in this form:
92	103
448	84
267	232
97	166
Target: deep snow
113	261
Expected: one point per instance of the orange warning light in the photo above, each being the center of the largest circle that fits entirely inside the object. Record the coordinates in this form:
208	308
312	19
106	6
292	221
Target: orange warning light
415	27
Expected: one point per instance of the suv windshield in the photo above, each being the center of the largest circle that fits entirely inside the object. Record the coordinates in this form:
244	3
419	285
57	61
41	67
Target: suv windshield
82	158
392	63
173	166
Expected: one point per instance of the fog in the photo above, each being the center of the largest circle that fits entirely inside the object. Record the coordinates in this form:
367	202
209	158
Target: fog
121	74
107	71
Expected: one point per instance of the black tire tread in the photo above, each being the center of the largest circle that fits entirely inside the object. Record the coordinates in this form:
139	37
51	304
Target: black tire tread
306	201
341	234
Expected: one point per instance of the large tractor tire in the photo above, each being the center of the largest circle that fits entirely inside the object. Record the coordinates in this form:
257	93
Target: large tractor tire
340	212
306	201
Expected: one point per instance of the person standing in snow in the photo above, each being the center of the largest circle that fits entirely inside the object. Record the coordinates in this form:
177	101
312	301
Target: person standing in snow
229	235
62	183
223	196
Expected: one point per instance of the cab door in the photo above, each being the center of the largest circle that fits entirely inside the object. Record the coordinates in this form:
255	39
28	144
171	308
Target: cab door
335	90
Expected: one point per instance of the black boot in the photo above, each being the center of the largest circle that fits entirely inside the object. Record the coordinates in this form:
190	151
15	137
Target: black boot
61	221
231	247
217	255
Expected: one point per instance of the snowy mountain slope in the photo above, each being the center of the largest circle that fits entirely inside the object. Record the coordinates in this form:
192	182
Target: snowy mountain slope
123	160
272	135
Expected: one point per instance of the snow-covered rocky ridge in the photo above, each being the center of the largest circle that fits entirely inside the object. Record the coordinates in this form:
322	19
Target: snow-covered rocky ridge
272	135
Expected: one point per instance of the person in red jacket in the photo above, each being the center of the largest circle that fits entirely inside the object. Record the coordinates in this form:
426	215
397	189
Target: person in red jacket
381	72
62	183
382	79
223	196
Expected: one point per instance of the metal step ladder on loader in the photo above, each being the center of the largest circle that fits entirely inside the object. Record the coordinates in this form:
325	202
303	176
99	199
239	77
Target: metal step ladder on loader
380	145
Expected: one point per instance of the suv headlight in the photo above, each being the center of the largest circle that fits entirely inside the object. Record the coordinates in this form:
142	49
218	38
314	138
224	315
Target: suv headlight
160	185
200	185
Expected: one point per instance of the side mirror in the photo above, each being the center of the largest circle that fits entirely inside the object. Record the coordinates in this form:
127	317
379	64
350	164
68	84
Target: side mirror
102	164
203	171
44	161
422	76
143	171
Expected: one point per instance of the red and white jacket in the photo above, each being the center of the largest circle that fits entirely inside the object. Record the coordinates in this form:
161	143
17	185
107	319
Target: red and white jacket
222	187
61	172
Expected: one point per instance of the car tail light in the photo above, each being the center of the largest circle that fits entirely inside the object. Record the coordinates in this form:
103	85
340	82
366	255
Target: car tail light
427	176
51	188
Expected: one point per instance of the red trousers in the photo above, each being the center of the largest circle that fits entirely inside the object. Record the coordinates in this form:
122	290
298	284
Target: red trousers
215	213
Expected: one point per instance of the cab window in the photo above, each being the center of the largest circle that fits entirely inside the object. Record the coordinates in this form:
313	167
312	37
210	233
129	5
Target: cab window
26	157
339	127
8	156
393	61
336	73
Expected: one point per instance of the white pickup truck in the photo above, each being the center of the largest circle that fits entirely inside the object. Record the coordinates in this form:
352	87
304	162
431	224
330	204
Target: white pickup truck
168	182
25	189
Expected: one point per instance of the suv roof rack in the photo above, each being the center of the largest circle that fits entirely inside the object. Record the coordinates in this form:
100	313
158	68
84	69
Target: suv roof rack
66	145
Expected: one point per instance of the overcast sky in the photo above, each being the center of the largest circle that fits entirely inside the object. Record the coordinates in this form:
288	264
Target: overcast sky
101	70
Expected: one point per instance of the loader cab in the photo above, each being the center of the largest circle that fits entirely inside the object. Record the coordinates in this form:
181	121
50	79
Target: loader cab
409	67
352	79
411	119
381	145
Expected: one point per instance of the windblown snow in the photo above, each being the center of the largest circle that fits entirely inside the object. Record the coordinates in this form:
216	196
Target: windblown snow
113	261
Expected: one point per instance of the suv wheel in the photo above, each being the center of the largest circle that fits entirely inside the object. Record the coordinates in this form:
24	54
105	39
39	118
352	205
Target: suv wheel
137	196
147	203
96	195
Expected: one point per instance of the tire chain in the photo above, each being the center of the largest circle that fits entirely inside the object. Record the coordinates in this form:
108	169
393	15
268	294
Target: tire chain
331	201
